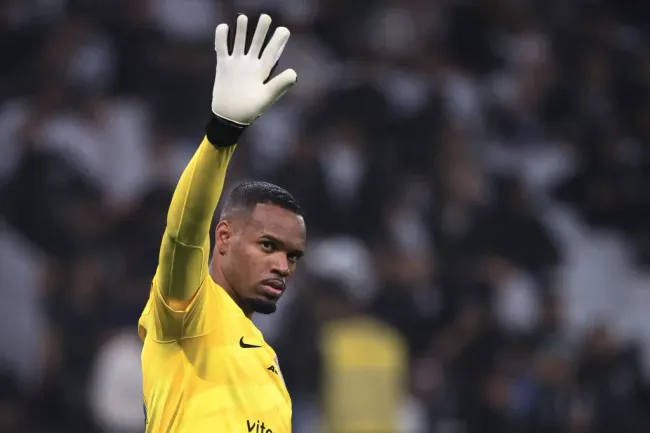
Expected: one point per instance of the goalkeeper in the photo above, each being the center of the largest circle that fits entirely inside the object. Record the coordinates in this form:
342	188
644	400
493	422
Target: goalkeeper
206	366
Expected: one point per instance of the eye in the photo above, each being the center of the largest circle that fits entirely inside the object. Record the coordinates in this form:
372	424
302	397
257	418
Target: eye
267	246
293	258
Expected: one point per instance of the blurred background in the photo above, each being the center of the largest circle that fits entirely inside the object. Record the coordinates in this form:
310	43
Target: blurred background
473	174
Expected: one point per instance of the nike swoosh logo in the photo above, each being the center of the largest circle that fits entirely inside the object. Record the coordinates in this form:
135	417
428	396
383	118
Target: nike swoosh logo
246	346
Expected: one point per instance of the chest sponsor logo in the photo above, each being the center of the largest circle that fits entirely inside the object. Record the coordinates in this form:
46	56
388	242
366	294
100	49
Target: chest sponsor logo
257	427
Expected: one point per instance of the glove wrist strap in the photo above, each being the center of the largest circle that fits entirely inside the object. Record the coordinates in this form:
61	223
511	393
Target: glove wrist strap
223	133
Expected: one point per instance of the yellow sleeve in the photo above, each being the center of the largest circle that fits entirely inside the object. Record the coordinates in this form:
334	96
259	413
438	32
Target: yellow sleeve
185	249
182	272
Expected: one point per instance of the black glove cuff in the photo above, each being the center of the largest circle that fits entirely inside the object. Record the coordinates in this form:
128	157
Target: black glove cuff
223	133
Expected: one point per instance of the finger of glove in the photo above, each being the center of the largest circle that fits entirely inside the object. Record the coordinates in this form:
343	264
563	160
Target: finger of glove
261	31
239	47
274	49
279	85
221	40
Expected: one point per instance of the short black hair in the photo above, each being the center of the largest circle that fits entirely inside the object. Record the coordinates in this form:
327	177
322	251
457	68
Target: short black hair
245	196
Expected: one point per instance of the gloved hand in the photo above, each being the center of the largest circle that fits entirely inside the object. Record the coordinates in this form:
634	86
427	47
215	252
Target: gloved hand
242	89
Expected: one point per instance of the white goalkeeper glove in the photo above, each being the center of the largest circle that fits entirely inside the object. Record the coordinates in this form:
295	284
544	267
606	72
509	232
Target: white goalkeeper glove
242	89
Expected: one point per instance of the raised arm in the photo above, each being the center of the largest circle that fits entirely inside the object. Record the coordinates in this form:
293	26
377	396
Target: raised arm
183	262
241	93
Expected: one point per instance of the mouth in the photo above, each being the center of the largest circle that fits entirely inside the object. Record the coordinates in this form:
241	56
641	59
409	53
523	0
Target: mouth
274	286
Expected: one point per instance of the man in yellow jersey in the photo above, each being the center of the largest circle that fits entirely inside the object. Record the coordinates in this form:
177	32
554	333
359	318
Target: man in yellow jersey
206	366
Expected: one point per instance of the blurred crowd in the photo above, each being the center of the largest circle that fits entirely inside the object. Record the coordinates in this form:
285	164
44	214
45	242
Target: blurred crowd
473	175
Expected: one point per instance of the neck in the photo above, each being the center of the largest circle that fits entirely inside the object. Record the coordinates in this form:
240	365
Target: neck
218	277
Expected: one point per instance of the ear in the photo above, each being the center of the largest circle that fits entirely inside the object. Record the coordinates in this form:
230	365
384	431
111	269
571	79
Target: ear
222	237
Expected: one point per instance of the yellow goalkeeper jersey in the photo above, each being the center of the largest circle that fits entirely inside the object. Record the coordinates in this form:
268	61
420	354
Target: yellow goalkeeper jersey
207	368
221	377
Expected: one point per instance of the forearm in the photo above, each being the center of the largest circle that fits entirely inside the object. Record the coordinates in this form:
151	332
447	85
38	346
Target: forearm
183	262
197	194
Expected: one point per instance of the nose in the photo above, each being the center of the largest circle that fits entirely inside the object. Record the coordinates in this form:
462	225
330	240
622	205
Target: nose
281	266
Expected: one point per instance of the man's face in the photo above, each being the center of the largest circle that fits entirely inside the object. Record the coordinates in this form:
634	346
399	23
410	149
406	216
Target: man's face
259	253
